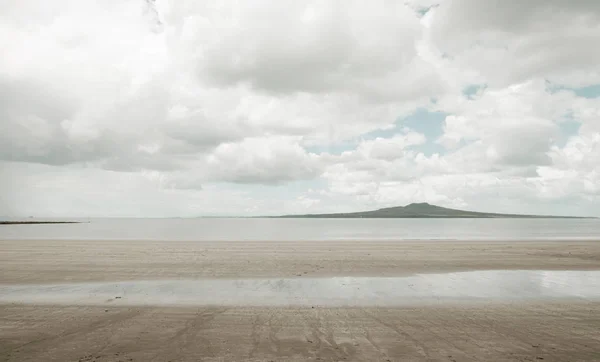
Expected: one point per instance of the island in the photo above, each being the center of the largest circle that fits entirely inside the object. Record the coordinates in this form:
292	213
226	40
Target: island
422	210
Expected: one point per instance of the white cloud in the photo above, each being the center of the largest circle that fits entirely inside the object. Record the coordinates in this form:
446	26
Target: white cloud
575	169
509	127
92	90
321	46
377	166
262	160
168	100
389	148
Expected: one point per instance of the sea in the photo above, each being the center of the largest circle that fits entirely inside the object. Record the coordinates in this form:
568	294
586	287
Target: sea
272	229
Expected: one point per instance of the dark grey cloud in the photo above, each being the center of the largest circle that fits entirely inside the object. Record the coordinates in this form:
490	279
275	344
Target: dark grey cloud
514	41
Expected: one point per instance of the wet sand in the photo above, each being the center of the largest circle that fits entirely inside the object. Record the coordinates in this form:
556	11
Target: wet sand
544	332
500	331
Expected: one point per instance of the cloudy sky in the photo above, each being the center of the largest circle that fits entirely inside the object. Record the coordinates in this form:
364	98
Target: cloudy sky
187	108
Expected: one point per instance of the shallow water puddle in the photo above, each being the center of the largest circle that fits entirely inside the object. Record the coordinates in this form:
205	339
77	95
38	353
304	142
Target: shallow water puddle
516	285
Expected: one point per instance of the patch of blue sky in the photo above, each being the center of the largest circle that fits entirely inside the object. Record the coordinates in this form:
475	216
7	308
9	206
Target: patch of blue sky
430	124
471	90
421	11
568	129
592	91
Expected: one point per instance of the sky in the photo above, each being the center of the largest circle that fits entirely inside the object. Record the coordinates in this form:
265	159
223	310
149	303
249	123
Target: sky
183	108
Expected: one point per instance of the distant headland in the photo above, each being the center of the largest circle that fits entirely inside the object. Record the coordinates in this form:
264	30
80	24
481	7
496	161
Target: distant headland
36	222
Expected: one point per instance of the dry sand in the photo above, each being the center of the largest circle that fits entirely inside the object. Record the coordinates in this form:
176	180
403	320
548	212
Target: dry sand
547	331
71	261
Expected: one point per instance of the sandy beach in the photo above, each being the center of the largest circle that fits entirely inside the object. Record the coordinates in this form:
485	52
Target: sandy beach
50	261
548	332
536	331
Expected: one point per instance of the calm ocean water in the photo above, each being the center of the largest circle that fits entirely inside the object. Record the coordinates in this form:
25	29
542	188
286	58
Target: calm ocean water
217	229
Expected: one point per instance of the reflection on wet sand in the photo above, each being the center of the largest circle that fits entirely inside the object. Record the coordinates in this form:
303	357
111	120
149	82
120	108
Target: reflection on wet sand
336	291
